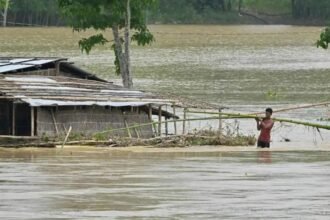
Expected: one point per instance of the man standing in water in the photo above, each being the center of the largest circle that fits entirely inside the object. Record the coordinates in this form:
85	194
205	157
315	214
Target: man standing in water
265	126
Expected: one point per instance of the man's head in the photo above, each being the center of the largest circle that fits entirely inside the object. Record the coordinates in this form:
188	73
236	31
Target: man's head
269	112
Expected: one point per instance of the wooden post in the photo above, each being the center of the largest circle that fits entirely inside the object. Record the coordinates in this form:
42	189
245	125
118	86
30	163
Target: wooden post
220	122
57	68
154	128
128	131
184	121
137	133
166	126
13	119
54	121
150	112
32	122
174	123
160	121
67	136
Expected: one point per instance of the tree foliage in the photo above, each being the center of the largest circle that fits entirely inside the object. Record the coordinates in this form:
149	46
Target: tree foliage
324	40
102	15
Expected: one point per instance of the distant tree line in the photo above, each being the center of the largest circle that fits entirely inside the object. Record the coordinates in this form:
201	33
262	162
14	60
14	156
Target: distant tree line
33	13
311	9
46	12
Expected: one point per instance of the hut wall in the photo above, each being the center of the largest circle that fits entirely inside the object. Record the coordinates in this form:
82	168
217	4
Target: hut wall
88	120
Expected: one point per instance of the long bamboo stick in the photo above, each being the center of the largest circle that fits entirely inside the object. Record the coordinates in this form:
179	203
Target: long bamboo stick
155	123
221	115
294	108
247	116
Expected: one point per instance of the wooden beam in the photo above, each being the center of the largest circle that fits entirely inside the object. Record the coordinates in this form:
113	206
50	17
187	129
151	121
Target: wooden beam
32	122
67	136
174	123
57	68
184	121
220	121
150	112
160	120
166	127
14	119
127	129
54	121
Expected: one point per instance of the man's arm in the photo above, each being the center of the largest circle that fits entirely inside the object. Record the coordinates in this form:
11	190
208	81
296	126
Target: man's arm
267	125
258	124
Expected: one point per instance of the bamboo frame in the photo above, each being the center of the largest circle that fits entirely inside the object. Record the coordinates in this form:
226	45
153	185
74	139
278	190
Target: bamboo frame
229	116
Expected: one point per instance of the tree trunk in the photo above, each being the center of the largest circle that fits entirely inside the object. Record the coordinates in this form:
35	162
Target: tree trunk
120	55
240	2
293	8
128	74
5	13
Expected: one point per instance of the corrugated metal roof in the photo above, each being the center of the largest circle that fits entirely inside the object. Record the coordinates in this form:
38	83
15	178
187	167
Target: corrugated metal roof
19	60
14	64
39	62
68	91
43	102
13	67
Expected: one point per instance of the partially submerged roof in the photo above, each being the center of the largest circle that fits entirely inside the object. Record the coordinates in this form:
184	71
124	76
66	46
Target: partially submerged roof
16	65
67	91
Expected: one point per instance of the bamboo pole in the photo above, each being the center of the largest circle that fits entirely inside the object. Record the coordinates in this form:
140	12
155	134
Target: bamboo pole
166	126
174	123
184	121
150	112
54	121
127	129
155	123
32	122
294	108
249	116
137	133
225	116
67	136
220	122
160	121
14	119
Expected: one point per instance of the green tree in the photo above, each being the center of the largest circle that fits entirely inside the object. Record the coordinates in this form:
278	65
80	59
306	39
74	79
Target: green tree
117	15
324	39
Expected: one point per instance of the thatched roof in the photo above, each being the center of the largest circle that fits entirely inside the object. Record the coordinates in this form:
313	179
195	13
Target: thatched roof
67	91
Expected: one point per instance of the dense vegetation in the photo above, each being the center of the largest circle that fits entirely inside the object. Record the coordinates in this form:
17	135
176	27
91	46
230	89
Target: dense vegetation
46	12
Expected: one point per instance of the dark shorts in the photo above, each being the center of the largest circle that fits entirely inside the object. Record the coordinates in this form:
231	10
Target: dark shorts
263	144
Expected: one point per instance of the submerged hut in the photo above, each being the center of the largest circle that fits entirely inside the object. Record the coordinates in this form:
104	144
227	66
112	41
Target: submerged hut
46	96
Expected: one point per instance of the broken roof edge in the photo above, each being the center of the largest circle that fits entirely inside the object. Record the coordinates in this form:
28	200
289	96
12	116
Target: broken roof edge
73	69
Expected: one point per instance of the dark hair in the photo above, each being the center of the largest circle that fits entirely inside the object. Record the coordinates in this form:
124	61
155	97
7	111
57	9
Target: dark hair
269	110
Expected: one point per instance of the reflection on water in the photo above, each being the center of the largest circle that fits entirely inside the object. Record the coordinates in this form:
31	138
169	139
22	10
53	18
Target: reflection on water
102	184
265	156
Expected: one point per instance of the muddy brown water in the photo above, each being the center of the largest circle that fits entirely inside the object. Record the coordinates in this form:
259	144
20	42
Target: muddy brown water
108	184
245	68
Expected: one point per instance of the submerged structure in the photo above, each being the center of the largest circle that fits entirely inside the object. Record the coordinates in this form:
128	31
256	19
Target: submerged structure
46	96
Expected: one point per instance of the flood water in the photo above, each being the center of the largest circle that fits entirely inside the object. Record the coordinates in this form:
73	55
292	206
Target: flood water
102	184
245	68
